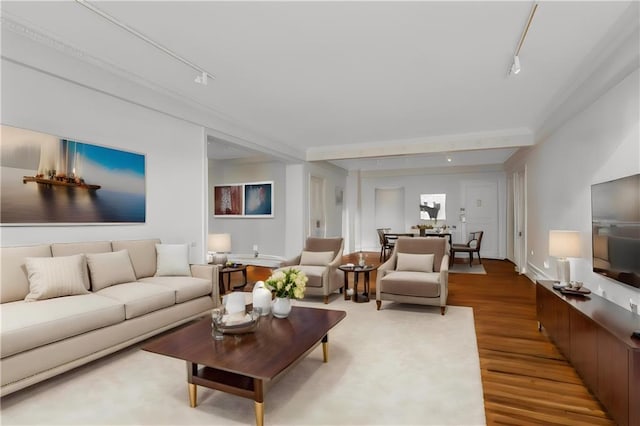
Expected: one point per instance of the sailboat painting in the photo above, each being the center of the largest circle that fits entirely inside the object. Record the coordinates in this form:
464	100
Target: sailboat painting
50	180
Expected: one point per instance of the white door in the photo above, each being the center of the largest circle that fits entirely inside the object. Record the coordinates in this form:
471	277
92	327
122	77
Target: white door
317	215
389	209
519	221
480	200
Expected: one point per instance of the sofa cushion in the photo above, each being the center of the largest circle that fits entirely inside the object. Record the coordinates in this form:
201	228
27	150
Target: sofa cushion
27	325
13	273
317	258
111	268
186	288
314	273
409	283
415	262
173	260
142	254
51	277
69	249
140	298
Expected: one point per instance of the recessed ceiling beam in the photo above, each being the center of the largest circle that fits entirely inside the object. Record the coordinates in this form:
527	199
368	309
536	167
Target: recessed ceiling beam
513	138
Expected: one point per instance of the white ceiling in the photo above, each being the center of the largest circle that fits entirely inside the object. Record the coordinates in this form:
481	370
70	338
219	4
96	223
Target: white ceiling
339	80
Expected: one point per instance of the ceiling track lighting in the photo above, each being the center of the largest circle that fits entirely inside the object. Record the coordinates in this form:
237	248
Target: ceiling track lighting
515	65
515	68
203	75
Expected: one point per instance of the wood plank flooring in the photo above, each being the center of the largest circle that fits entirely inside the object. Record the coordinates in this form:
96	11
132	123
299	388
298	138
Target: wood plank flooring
526	381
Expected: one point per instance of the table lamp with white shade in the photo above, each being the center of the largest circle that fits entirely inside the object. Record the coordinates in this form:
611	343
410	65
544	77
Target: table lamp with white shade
220	245
562	245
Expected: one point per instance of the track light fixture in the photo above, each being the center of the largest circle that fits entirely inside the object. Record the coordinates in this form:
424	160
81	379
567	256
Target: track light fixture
515	65
200	79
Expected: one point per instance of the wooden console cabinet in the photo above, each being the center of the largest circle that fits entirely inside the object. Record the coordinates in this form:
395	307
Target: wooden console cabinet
594	334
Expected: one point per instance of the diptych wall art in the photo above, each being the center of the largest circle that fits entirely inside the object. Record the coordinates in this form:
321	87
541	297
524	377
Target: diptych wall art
246	200
47	180
228	200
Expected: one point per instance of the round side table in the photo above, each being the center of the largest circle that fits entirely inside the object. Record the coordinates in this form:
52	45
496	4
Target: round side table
357	271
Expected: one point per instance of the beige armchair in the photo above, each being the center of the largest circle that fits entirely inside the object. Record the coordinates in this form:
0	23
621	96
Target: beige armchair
319	260
417	272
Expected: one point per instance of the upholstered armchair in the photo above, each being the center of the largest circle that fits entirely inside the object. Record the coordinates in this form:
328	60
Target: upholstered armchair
319	260
417	272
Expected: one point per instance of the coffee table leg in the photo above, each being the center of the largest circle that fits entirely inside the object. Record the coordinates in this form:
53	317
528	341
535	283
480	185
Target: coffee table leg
259	407
258	401
192	370
325	348
193	395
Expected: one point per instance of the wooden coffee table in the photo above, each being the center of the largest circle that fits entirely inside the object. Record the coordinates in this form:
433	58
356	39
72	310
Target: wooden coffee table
245	369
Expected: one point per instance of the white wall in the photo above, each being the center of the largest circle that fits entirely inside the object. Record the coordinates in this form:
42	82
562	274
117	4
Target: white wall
334	177
175	176
598	144
284	234
267	233
453	184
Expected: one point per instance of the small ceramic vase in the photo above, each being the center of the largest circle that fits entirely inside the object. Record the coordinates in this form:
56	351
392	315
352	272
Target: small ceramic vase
281	307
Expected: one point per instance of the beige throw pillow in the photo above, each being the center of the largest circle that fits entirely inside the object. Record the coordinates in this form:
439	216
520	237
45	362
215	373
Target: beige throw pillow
173	260
415	262
107	269
316	258
51	277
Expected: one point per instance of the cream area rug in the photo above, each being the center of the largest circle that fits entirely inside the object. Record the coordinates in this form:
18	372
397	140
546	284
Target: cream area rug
463	268
402	365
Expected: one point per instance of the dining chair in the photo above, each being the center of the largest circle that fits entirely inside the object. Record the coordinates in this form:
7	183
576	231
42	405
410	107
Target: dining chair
386	244
472	246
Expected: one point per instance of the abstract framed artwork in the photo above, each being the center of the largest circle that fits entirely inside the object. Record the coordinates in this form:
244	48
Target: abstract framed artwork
49	180
243	200
228	200
433	207
258	199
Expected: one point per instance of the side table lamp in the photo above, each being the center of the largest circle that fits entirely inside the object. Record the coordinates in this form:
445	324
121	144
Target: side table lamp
220	245
564	244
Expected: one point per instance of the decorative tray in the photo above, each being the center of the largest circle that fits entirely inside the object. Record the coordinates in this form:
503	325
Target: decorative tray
575	291
241	324
247	327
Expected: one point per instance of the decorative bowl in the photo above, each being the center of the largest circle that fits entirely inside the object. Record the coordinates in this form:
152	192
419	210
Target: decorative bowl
249	324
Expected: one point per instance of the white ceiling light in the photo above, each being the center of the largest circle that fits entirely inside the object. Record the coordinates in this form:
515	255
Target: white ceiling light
515	65
201	79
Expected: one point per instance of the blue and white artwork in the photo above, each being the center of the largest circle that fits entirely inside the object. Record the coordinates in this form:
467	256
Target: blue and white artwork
52	180
258	199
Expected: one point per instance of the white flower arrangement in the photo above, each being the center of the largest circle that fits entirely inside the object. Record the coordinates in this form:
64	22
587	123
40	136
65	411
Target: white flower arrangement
287	283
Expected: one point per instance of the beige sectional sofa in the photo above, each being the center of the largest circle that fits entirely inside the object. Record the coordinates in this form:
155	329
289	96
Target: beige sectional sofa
45	337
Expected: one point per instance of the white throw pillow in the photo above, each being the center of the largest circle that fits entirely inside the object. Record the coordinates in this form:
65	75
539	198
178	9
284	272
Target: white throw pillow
316	258
110	268
51	277
173	260
415	262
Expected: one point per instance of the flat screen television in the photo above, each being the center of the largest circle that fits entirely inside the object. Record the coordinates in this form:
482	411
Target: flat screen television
615	224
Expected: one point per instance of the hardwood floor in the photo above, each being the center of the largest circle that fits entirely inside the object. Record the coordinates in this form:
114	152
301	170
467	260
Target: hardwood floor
526	381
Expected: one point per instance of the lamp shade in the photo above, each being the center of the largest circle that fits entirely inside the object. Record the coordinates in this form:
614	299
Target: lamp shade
220	243
564	244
